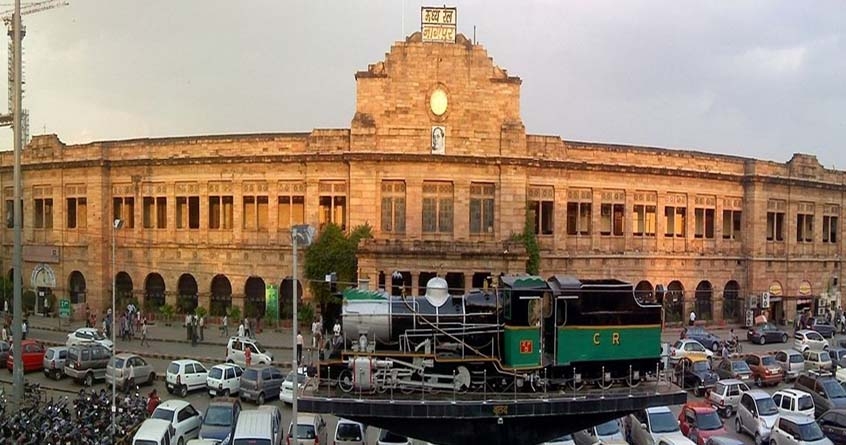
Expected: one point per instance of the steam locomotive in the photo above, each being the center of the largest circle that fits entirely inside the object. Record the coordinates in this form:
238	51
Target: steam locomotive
527	332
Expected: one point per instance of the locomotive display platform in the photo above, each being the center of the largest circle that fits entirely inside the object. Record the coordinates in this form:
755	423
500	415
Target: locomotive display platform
492	418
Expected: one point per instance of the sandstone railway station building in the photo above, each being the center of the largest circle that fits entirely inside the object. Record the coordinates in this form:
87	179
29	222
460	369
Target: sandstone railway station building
438	162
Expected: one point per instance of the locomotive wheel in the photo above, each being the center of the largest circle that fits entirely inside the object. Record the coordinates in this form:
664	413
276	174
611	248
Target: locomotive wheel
345	380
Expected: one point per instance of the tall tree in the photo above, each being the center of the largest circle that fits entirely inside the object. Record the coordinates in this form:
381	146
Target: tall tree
333	251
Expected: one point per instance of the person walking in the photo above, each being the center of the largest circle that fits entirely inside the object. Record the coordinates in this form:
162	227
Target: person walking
241	329
188	327
24	328
224	330
202	327
194	334
248	355
4	333
299	347
144	332
692	318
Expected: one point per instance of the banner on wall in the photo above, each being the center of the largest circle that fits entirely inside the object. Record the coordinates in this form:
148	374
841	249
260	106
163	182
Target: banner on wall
271	302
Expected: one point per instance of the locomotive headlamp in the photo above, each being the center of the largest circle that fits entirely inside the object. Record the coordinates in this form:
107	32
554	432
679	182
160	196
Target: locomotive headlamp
362	342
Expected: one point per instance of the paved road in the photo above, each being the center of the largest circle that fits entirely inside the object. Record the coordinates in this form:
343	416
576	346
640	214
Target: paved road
170	346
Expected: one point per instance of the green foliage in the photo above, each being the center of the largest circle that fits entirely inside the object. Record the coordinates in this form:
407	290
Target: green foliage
333	251
201	311
167	312
235	314
530	242
186	304
306	314
28	300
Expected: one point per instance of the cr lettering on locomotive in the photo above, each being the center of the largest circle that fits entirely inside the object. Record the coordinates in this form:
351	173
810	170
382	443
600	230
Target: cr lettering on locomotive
615	338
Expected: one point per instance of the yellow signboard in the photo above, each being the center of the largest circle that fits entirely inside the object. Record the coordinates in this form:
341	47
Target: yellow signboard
438	24
804	288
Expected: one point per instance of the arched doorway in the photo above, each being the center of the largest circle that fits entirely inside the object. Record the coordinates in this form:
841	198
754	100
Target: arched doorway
254	295
221	296
123	289
188	294
674	302
704	294
644	292
731	301
154	292
76	287
286	301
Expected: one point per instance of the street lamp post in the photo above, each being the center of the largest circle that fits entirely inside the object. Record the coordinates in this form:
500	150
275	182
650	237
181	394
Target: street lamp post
118	223
300	234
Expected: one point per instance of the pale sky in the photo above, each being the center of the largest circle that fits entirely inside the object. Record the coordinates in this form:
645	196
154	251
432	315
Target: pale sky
761	79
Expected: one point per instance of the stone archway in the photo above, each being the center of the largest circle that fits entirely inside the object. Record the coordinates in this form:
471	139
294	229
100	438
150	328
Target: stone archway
732	305
286	300
221	296
123	289
704	296
76	287
254	297
154	292
674	302
188	299
644	292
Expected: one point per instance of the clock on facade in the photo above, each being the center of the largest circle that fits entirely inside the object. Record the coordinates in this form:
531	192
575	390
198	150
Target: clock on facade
438	102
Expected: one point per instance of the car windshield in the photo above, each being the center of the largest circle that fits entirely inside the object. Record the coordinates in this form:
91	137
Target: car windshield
814	336
300	380
663	422
824	357
117	363
701	366
739	366
806	402
164	414
766	407
49	354
259	347
810	432
253	441
348	431
709	421
833	389
218	416
173	368
216	373
608	428
796	358
768	360
250	374
96	335
390	437
144	442
305	431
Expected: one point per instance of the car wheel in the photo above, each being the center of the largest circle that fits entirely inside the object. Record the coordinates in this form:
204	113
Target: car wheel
181	441
784	338
169	390
759	382
729	411
183	391
758	439
737	428
225	393
715	346
697	391
57	375
89	379
152	380
260	399
762	340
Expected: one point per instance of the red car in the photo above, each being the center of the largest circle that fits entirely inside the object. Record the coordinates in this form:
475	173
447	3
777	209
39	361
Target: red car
33	356
699	421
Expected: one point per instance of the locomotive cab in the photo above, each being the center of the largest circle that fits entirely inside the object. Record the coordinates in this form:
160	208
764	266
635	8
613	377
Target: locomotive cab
525	300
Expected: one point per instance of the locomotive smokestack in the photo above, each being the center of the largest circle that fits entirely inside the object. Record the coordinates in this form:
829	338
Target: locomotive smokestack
364	284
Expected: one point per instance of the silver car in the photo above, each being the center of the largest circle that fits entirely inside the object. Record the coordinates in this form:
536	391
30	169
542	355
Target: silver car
726	395
128	370
791	361
54	361
756	415
798	430
607	433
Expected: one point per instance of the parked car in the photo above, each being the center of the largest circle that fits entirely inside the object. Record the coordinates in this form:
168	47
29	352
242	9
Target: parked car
646	426
825	390
688	348
220	419
255	427
183	416
756	415
260	383
794	402
696	373
838	355
699	421
606	433
258	354
4	352
276	420
723	440
54	360
224	380
32	357
807	339
833	425
350	432
84	336
154	432
766	333
824	328
387	437
726	395
286	392
184	376
87	363
797	430
311	429
765	370
128	370
734	368
816	360
791	362
704	337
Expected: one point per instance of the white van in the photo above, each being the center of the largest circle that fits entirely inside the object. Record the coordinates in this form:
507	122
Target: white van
254	427
154	432
350	432
235	352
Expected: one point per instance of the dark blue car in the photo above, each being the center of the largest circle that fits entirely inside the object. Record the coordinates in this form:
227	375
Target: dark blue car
220	419
704	337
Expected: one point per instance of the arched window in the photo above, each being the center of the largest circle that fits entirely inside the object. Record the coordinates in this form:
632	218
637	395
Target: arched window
254	292
188	294
731	301
154	292
704	295
644	292
221	296
674	302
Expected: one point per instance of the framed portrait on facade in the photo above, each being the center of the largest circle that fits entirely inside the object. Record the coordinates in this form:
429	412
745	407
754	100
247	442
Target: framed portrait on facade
438	140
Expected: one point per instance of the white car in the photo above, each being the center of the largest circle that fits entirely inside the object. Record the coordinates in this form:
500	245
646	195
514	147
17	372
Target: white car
183	416
224	380
647	426
286	393
387	437
688	348
84	336
797	430
350	432
184	376
807	339
235	352
794	402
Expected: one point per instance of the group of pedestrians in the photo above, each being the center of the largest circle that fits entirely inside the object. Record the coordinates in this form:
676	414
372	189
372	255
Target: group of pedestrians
195	328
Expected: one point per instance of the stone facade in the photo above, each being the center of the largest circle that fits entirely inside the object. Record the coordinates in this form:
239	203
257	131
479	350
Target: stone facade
210	216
